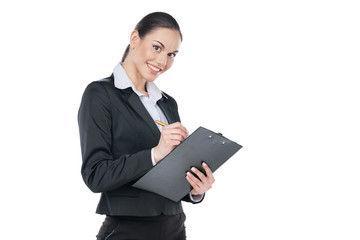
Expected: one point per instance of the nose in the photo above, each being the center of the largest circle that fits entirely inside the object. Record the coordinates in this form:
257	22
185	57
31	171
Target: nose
162	59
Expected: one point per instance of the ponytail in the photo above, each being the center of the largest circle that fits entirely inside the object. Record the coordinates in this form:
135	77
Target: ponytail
125	53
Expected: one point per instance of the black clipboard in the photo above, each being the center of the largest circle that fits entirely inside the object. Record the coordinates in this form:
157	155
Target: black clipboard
167	178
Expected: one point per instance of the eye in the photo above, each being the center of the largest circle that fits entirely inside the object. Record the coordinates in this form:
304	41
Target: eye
157	48
172	55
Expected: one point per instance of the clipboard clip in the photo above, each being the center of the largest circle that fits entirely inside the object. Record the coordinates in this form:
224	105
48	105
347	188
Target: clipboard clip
220	134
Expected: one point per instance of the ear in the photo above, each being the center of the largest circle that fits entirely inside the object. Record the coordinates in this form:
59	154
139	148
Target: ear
134	39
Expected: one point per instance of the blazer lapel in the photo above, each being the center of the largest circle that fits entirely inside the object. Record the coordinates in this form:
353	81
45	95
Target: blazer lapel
137	105
166	110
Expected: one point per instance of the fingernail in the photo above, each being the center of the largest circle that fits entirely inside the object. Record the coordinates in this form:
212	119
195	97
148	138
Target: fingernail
193	169
188	173
204	164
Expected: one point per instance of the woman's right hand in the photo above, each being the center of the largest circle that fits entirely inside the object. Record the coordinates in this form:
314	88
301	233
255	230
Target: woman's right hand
171	136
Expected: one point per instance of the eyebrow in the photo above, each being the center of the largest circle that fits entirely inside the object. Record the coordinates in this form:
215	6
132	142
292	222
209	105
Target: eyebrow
163	46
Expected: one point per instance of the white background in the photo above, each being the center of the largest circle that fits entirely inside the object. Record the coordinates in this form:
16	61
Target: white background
279	77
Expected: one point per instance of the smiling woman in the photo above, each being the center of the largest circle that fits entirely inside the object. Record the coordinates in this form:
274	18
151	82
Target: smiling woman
120	140
151	55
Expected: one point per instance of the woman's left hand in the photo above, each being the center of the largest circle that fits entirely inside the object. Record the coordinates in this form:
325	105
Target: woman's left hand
204	184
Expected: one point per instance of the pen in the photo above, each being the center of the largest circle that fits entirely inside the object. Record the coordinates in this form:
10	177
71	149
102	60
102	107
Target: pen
161	123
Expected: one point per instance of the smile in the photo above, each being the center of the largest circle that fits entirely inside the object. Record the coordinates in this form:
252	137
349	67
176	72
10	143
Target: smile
152	67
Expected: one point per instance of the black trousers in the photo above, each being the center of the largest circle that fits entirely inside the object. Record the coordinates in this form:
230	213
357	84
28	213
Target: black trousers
143	228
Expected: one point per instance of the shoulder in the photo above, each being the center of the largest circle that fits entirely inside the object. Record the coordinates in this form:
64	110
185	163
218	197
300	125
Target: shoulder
98	91
99	86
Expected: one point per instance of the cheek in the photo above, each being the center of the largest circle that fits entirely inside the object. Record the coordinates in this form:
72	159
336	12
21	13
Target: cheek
169	64
149	54
144	55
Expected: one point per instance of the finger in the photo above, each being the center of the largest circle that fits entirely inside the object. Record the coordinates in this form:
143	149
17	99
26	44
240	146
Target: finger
177	125
199	174
175	137
175	132
172	138
201	185
208	173
196	188
174	143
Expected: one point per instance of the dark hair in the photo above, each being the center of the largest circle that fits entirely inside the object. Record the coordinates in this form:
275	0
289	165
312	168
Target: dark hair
152	21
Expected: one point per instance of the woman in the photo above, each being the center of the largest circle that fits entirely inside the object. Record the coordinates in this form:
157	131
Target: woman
120	140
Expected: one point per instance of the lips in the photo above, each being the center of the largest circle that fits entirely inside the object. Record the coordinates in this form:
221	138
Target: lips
153	69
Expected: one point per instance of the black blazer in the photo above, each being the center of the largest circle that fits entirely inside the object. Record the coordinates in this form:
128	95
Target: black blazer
117	135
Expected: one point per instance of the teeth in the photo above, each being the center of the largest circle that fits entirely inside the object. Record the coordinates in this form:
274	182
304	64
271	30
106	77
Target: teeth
154	68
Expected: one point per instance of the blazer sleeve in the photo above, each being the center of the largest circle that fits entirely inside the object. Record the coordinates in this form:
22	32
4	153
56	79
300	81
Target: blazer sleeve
100	171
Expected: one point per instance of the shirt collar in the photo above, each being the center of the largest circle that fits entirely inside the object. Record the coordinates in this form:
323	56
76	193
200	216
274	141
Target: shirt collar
122	81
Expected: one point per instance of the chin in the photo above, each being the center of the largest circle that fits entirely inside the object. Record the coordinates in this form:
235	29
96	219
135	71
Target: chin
150	77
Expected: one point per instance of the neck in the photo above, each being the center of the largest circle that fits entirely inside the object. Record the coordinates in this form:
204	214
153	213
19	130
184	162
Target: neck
135	77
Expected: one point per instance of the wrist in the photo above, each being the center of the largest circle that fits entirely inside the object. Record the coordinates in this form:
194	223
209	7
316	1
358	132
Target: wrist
156	155
152	157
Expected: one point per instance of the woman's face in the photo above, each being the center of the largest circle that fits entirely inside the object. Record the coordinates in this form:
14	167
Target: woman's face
155	53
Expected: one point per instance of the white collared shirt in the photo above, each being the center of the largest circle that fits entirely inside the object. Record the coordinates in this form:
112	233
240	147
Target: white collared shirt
122	81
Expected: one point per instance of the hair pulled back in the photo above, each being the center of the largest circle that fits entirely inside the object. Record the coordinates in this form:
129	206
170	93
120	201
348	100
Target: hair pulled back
152	21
